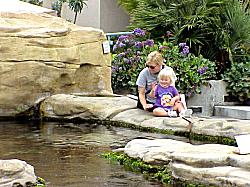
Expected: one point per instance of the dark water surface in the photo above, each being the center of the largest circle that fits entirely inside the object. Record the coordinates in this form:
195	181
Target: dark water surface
69	154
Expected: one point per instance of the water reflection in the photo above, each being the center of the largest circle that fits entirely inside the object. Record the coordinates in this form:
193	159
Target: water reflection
69	154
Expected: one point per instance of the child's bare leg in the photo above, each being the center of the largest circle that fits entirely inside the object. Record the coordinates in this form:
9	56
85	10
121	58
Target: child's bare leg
160	112
181	110
178	107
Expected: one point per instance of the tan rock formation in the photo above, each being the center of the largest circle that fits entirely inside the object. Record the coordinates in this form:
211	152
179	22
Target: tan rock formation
42	55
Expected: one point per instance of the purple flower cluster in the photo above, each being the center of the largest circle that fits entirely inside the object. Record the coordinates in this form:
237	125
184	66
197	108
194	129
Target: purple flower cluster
149	43
181	45
184	48
138	44
114	68
123	38
121	42
139	32
202	70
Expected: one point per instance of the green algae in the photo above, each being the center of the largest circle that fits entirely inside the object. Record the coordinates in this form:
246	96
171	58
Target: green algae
157	173
150	172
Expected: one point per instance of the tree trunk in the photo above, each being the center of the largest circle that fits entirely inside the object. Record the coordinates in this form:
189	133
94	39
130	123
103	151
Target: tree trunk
75	18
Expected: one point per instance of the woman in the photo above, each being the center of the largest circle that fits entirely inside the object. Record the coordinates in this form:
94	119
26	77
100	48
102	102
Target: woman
147	79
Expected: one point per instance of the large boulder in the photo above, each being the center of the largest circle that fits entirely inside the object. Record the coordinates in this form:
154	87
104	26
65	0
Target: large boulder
42	55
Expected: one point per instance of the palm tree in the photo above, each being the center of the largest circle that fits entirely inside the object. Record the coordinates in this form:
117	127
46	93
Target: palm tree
77	6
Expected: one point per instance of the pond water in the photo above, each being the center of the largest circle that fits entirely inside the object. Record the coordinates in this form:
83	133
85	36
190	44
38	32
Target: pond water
69	154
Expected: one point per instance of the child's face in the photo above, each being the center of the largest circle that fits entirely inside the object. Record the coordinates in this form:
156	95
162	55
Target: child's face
165	82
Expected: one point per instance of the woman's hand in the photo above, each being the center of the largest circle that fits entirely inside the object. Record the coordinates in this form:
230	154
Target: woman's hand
148	106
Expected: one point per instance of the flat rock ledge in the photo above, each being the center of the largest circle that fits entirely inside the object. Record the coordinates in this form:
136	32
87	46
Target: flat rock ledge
16	171
122	109
209	164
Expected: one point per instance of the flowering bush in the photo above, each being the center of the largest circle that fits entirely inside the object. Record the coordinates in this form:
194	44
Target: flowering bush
191	71
129	57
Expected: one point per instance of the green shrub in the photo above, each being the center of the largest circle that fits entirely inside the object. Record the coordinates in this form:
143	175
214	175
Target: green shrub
212	28
129	57
238	79
191	71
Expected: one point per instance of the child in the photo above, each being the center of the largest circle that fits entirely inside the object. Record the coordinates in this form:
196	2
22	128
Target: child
167	97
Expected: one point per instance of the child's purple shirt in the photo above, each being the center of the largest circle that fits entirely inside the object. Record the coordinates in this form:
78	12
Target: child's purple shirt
164	96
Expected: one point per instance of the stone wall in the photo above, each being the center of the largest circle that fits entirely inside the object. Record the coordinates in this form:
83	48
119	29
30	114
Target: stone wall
42	55
211	95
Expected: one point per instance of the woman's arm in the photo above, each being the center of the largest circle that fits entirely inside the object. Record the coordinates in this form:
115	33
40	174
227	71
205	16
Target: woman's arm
142	98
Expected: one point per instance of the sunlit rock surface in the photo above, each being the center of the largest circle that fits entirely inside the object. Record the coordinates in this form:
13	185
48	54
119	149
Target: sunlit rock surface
42	55
15	171
209	164
123	109
63	106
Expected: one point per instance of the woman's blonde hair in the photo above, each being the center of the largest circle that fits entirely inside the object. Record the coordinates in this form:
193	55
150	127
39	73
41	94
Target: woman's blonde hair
155	57
166	73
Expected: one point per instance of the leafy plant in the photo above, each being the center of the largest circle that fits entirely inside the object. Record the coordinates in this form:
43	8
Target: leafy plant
211	28
129	57
191	71
238	79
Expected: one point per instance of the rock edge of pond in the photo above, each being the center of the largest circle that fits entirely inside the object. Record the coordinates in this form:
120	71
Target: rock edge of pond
208	164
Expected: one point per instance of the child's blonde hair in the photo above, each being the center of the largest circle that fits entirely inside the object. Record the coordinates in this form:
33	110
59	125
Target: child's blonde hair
166	73
155	57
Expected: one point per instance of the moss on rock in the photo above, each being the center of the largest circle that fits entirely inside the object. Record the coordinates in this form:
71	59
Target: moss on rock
151	172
